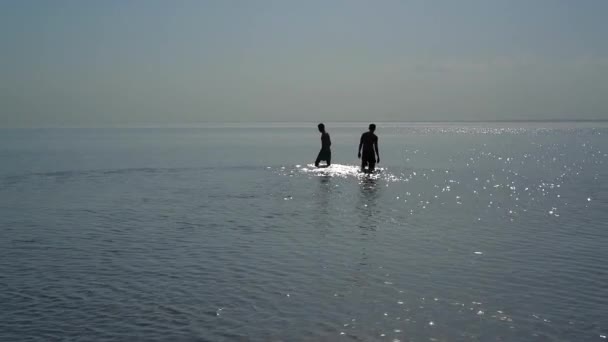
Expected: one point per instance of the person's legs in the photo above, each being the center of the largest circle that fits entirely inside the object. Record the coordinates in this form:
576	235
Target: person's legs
319	158
369	160
372	166
323	155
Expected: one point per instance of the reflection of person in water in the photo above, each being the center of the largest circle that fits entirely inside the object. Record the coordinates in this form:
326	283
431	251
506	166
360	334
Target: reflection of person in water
368	150
325	153
367	208
323	208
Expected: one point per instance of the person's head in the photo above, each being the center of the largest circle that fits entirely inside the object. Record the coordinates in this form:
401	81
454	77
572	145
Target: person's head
321	127
372	127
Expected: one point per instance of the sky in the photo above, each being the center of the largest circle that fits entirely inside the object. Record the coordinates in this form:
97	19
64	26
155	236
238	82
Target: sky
112	62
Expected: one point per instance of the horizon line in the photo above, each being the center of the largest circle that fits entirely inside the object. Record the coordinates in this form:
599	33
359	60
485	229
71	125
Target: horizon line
185	124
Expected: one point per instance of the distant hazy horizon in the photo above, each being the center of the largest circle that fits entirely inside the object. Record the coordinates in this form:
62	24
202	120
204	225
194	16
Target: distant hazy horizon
382	125
112	63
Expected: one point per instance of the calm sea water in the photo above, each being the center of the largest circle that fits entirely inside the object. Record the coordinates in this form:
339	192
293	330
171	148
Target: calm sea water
470	232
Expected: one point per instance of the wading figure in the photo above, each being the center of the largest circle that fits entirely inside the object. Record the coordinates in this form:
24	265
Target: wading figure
368	150
325	153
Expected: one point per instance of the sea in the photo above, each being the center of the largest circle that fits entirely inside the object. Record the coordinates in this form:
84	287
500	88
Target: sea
227	232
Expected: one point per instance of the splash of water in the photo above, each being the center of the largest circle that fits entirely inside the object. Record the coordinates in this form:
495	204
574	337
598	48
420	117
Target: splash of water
346	171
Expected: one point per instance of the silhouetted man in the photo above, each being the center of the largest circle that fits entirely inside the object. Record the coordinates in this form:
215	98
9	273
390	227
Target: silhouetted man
325	153
368	150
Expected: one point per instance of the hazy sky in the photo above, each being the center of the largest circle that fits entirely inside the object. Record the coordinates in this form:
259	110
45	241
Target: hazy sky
112	62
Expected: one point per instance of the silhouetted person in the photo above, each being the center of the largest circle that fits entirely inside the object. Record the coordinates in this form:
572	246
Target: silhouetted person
368	150
325	153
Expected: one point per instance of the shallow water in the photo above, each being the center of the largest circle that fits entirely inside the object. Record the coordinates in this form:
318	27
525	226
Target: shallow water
227	232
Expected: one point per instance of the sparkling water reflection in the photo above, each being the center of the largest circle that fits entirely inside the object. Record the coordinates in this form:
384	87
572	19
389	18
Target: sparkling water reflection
465	233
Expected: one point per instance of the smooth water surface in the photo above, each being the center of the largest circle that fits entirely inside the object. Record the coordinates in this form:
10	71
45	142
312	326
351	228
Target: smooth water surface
469	232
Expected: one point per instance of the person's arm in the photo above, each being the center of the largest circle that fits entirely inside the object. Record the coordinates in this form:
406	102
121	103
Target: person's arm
377	152
328	140
359	149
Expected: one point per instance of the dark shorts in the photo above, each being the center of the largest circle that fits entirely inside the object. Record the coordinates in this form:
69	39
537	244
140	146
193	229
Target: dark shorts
369	160
324	154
